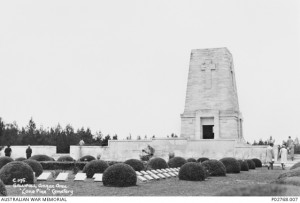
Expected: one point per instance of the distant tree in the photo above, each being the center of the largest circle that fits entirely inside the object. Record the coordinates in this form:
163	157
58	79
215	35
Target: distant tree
105	140
115	137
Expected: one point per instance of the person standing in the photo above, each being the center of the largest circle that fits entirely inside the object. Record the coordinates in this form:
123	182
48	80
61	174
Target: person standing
28	152
7	151
270	156
292	151
283	155
271	140
289	142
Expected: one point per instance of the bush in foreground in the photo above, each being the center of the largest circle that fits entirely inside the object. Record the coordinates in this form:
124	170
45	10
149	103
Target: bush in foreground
65	158
176	162
16	170
87	158
136	164
157	163
192	171
244	165
2	189
288	181
119	175
41	157
5	160
296	165
20	159
231	164
191	160
35	165
96	166
250	163
262	190
290	173
202	159
214	167
257	163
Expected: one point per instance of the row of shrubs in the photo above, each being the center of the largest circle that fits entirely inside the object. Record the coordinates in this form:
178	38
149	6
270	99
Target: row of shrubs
121	174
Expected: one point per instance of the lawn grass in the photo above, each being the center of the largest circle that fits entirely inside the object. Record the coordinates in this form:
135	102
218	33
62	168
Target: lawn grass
168	187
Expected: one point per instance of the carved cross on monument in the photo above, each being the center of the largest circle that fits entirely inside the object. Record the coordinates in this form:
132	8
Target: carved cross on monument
208	66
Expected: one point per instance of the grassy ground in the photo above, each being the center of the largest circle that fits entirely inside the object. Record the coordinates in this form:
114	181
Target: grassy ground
169	187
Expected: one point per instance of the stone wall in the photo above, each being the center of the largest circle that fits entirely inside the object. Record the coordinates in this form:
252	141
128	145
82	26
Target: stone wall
121	150
19	151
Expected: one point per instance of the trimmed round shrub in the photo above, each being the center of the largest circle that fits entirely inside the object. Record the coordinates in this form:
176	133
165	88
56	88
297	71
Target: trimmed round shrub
257	163
136	164
96	166
4	160
87	158
17	170
202	159
2	189
296	165
231	164
214	167
262	190
191	160
176	162
192	171
244	165
290	173
157	163
288	181
41	157
65	158
20	159
250	163
119	175
35	165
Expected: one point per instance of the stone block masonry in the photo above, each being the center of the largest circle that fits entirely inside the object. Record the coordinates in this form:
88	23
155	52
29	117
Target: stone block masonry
211	107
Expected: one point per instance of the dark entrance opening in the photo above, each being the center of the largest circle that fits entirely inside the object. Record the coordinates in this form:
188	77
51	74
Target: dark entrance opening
208	132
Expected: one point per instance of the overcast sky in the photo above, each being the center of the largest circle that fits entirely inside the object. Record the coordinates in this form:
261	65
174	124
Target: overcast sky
122	66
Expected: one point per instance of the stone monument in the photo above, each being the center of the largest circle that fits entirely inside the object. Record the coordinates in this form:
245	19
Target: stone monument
211	106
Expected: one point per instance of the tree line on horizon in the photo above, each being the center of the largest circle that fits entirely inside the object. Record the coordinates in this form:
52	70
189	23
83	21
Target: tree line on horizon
62	138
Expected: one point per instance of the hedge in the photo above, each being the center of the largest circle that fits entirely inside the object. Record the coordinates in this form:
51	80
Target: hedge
4	160
119	175
65	158
250	163
262	190
54	165
2	189
257	162
244	165
136	164
214	167
176	162
157	163
41	157
289	181
191	160
202	159
35	165
95	166
20	159
231	164
296	165
192	171
16	170
290	173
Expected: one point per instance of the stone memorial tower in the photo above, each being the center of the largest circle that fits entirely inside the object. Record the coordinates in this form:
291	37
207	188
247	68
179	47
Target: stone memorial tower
211	106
